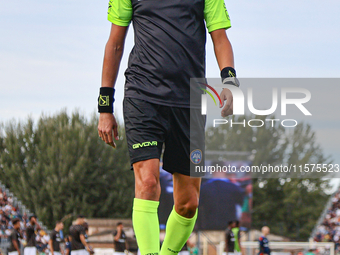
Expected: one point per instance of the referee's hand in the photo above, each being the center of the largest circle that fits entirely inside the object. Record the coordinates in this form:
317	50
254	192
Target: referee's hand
106	126
227	107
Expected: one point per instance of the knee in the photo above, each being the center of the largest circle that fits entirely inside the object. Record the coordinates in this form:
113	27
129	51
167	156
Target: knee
188	209
147	183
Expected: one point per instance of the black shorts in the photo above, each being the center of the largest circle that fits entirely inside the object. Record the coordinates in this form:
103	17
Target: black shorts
148	126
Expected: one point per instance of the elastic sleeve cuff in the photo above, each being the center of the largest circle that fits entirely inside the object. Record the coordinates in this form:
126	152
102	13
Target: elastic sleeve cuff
184	221
219	25
118	22
145	205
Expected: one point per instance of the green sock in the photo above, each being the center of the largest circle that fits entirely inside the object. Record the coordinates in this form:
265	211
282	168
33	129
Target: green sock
178	230
146	226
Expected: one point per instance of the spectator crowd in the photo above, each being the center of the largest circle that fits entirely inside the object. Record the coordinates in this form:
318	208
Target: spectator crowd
329	229
26	232
8	212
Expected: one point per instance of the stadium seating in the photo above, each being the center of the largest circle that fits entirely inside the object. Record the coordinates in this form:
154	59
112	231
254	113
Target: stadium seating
10	208
328	227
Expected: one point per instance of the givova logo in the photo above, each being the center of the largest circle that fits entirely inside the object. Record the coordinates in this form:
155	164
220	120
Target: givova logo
144	144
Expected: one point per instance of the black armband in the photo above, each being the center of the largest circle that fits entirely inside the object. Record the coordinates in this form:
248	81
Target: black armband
228	72
106	99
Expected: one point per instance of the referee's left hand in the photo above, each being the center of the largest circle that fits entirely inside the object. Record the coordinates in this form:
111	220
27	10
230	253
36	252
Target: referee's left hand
106	126
227	107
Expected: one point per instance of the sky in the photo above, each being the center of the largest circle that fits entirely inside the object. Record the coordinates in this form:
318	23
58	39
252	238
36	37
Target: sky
51	54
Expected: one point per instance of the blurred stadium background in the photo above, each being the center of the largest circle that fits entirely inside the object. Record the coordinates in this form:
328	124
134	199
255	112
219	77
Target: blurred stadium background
58	167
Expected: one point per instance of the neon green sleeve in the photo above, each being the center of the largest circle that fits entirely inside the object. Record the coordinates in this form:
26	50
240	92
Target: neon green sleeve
120	12
216	15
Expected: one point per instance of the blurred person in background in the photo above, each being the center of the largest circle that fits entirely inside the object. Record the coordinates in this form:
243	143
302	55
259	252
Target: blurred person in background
25	218
310	252
236	231
32	226
68	247
263	241
78	241
2	234
14	248
86	226
10	200
327	238
119	239
247	207
192	249
42	240
4	219
4	197
217	206
3	225
55	239
229	239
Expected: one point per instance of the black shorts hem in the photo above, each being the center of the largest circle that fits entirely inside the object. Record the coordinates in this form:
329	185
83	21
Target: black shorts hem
146	157
186	173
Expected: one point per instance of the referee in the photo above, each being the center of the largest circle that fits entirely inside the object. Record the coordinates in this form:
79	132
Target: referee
55	239
169	49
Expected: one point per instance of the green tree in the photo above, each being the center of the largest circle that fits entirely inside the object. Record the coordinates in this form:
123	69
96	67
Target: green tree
289	206
60	166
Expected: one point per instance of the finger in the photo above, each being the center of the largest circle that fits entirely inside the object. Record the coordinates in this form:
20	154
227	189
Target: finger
110	141
100	133
230	110
113	145
222	96
226	110
109	136
115	132
105	136
222	99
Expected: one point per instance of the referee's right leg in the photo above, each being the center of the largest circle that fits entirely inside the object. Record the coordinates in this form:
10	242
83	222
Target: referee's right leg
145	206
145	127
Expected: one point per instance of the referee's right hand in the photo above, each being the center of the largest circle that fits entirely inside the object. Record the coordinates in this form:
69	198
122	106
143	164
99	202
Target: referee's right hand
106	126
